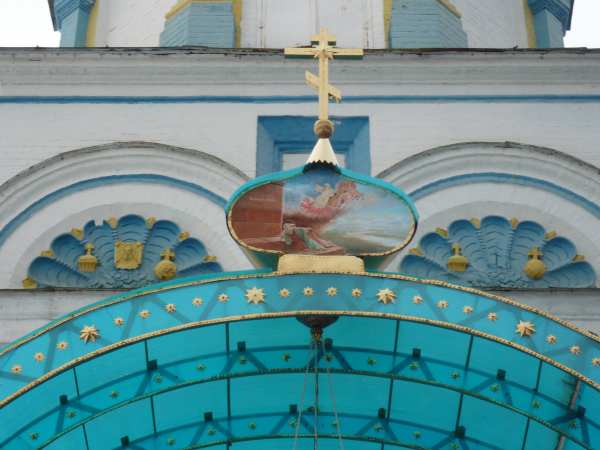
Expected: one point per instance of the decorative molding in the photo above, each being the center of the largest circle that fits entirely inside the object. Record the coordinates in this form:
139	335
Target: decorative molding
128	254
64	8
499	253
426	24
208	23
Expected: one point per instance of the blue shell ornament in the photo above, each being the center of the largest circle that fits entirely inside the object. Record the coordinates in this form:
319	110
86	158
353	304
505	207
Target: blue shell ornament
144	243
497	252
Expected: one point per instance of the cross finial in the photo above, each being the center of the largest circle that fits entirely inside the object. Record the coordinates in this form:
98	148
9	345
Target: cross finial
323	49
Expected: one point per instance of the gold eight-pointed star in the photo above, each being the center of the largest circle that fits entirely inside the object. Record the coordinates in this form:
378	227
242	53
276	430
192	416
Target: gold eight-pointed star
525	328
89	333
255	295
386	296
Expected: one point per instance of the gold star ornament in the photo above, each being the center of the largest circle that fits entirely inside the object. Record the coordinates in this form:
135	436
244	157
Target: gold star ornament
197	302
356	292
119	321
332	291
39	357
525	329
308	291
442	304
492	316
223	298
417	300
89	333
596	362
144	314
575	350
386	296
62	345
468	309
170	308
16	369
285	293
551	339
255	295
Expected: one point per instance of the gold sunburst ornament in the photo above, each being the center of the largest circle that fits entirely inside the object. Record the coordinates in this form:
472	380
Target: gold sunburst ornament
596	362
442	304
197	302
63	345
284	293
119	321
417	300
492	317
255	295
223	298
170	308
144	314
89	333
356	292
386	296
468	309
39	357
308	291
575	350
551	339
525	329
332	291
16	369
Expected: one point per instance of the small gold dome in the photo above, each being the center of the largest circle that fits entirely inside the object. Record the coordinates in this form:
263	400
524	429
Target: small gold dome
535	267
457	262
166	269
87	262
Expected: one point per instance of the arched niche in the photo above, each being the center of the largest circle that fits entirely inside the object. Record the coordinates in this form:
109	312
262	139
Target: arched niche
186	187
512	180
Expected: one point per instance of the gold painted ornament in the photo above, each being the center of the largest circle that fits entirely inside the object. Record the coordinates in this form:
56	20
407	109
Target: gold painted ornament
197	302
170	308
356	292
492	317
89	333
308	291
223	298
535	267
16	369
144	314
386	296
596	362
442	304
39	357
87	262
62	345
551	339
525	329
417	300
575	350
284	293
457	262
255	295
468	309
331	291
166	269
128	255
119	321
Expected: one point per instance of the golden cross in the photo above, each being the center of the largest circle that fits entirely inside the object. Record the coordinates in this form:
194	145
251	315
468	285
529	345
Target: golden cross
323	49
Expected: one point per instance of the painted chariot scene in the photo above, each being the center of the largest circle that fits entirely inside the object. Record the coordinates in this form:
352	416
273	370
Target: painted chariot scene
322	213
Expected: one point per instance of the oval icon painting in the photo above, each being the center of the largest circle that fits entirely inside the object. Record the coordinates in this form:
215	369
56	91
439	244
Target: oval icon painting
322	212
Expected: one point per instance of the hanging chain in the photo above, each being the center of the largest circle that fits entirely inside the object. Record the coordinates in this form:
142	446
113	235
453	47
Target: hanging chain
335	413
299	419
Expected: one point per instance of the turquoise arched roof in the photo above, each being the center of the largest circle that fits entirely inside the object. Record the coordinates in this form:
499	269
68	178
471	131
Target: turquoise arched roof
225	362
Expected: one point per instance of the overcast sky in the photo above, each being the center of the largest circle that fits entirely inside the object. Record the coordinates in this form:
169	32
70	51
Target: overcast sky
27	23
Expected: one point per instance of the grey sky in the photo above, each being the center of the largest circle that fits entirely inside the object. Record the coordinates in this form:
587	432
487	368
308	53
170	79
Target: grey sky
26	23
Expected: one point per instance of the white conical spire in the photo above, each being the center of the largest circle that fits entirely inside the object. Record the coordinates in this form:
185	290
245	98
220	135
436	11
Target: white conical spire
323	153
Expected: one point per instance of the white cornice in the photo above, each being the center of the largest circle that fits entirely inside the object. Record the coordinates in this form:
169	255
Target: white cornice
265	72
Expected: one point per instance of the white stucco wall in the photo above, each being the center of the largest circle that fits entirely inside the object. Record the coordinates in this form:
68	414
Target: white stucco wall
282	23
493	23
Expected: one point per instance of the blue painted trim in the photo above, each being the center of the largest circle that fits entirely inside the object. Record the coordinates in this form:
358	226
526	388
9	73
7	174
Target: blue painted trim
280	135
301	99
11	226
505	178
